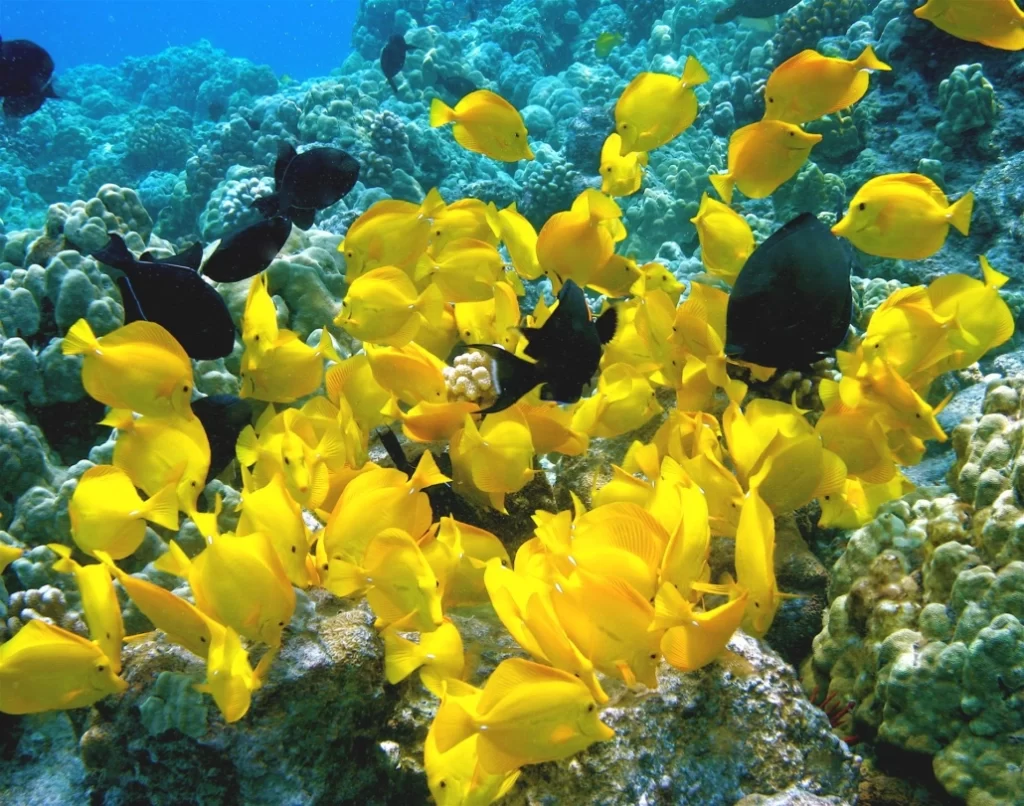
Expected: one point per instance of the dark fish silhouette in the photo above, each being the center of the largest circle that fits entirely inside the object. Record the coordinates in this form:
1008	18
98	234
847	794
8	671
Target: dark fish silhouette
26	72
249	251
792	302
458	86
755	8
171	293
392	58
223	418
567	349
307	182
444	501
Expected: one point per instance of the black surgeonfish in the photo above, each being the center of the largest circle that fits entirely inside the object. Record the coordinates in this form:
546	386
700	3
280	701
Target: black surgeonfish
249	251
223	418
567	349
171	293
307	182
754	8
792	302
26	72
392	58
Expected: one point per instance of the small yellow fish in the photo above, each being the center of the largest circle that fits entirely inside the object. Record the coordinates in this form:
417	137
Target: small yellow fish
465	271
410	373
528	714
755	564
496	458
809	86
390	233
694	639
230	679
571	244
396	578
905	216
438	655
996	23
107	513
763	156
272	511
655	107
657	277
520	239
353	380
858	501
157	451
726	239
606	42
384	307
485	123
289	369
139	367
259	319
492	321
47	668
470	548
621	175
624	401
465	218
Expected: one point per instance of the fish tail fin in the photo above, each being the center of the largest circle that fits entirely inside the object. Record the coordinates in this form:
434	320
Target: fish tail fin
80	339
433	203
869	61
427	473
326	348
513	376
121	419
440	113
694	72
452	725
431	303
246	448
993	278
65	565
162	508
723	185
173	561
401	657
267	206
959	213
391	82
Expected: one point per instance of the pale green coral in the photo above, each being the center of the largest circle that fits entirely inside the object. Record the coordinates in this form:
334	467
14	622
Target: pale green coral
968	103
174	704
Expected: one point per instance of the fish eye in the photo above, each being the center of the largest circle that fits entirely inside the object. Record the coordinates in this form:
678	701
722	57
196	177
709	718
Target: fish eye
437	583
443	784
287	461
257	337
326	566
350	255
590	708
101	668
185	389
193	484
202	638
792	134
918	415
294	550
654	656
280	624
517	134
771	100
862	206
828	497
757	605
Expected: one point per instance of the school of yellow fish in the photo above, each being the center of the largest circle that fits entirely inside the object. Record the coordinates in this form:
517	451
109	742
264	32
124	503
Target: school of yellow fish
595	595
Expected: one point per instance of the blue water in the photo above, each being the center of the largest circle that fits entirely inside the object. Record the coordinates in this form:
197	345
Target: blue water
302	38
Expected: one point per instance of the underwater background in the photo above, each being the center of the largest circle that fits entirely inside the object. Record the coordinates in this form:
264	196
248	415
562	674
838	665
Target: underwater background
896	675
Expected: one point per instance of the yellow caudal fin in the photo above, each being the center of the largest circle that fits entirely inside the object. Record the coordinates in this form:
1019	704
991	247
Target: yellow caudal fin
401	657
440	113
431	303
723	184
326	348
694	73
993	278
433	203
427	473
452	724
247	447
173	561
162	508
959	213
80	339
869	61
65	564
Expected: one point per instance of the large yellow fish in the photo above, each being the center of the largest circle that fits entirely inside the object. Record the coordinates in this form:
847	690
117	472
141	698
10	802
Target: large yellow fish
620	175
438	655
384	307
496	458
905	216
520	239
575	242
107	513
139	366
290	369
996	23
528	714
655	107
809	86
47	668
272	511
726	239
466	270
693	639
763	156
410	373
485	123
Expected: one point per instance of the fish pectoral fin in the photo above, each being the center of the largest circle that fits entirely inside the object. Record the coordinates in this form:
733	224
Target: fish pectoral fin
465	138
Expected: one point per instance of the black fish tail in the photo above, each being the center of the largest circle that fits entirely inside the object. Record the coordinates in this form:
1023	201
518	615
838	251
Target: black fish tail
515	377
606	324
267	206
391	81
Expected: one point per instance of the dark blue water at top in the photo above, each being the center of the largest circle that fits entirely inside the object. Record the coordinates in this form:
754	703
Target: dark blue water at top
302	38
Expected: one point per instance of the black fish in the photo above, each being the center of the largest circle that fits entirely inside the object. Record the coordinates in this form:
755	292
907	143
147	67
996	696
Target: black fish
25	105
223	418
458	86
26	71
392	58
171	293
249	251
307	182
791	303
567	349
757	9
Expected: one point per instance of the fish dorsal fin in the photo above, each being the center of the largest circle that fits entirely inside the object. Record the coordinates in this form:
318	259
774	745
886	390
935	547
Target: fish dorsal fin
920	182
191	258
607	324
150	333
514	673
285	154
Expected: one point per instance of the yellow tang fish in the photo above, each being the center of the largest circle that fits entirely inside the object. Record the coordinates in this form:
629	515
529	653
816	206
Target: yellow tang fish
353	380
693	639
905	216
465	271
996	23
496	458
485	123
655	107
259	319
108	515
230	680
755	564
858	439
856	504
99	602
438	655
726	239
465	218
491	321
571	244
390	233
410	373
657	277
290	369
384	307
519	237
606	42
470	549
763	156
157	451
431	422
272	511
396	578
551	427
620	175
139	366
46	668
809	86
624	401
528	714
616	278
